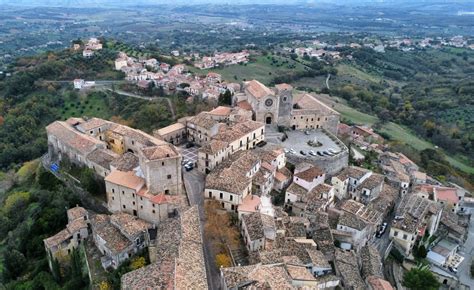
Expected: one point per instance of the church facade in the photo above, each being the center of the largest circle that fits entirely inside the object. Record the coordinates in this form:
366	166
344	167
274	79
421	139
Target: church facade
281	106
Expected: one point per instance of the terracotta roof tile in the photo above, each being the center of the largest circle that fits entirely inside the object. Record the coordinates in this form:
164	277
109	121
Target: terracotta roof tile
257	89
127	179
310	174
221	111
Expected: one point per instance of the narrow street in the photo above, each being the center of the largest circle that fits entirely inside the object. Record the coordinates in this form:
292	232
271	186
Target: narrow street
194	184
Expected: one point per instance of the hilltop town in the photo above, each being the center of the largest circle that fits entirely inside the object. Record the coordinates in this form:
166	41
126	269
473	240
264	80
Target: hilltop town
273	158
299	145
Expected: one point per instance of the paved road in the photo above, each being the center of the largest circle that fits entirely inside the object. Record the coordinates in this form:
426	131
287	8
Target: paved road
467	251
382	243
97	82
170	105
194	183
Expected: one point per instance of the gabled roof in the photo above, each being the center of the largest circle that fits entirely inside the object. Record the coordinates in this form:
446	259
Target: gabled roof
310	174
253	223
126	179
371	262
73	138
170	129
346	265
448	194
102	157
129	225
160	152
244	105
296	189
352	221
257	89
221	111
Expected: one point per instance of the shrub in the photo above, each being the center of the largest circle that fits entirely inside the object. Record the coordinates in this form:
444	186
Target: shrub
137	263
223	260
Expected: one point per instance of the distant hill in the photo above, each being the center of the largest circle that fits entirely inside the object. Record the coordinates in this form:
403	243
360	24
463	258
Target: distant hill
114	3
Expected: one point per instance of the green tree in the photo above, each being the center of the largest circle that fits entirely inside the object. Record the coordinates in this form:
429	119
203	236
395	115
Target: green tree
225	98
90	182
14	263
420	278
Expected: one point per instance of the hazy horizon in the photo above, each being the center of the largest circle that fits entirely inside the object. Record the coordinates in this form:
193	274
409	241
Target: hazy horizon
108	3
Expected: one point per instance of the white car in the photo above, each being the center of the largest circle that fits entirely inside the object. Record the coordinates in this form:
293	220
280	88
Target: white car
311	152
292	151
333	151
286	150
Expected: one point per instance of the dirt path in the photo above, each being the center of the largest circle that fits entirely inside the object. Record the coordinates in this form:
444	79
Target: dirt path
327	81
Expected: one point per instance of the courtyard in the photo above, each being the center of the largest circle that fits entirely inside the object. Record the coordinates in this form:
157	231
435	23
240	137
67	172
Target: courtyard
299	141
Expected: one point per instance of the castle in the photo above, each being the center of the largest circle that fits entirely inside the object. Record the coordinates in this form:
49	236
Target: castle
141	172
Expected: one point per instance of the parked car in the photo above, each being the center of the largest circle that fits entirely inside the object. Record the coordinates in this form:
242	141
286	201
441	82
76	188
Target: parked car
333	151
302	152
189	144
184	161
292	151
381	230
311	152
286	150
319	153
188	167
327	153
306	132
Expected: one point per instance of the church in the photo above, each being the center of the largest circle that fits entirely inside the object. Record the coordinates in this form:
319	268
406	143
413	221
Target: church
281	106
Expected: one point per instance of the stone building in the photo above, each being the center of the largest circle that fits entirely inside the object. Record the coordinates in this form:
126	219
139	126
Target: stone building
178	262
174	134
264	101
60	246
139	170
231	182
414	217
280	106
118	237
229	140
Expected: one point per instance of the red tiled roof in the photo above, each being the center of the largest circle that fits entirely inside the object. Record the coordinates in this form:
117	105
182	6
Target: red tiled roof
125	179
221	111
447	194
159	199
244	105
310	174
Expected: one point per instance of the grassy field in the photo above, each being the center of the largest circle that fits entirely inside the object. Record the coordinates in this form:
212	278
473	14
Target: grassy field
395	131
344	69
91	106
262	69
127	49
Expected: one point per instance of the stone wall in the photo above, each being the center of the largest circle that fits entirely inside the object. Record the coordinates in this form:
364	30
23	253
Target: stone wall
330	164
163	175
